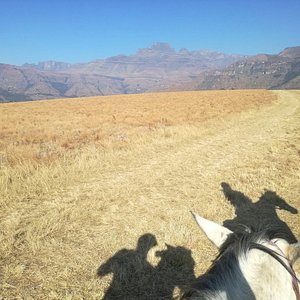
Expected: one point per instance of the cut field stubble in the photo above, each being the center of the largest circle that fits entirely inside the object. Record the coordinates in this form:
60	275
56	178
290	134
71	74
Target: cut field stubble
82	179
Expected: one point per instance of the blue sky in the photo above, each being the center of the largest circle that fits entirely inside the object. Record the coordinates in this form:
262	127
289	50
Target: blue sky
84	30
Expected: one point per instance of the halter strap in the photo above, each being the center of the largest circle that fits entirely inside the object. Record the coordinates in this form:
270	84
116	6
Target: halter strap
288	267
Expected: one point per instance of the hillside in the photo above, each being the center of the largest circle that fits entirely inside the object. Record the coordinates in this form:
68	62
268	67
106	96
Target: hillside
264	71
96	193
19	84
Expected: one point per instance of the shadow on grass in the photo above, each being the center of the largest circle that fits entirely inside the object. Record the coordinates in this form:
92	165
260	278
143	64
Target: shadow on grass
135	278
258	215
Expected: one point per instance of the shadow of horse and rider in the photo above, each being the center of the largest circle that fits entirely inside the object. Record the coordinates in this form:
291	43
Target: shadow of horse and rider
135	278
261	214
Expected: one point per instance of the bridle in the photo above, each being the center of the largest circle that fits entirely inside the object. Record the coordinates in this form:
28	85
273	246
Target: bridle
277	256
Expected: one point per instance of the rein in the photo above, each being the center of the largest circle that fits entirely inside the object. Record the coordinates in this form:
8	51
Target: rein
288	267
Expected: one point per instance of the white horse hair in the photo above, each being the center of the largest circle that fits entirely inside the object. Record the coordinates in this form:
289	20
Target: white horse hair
253	265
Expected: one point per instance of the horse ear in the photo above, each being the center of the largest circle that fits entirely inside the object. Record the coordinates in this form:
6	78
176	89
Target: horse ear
216	233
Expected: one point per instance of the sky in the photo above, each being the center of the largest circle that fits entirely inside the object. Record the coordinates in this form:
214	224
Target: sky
84	30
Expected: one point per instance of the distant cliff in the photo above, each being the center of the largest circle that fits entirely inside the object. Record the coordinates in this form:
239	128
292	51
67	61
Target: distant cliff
280	71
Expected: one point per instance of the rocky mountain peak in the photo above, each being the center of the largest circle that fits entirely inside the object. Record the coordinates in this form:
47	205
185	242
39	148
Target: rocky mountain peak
291	52
156	49
162	47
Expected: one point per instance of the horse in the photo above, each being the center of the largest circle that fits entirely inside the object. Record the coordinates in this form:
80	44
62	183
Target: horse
256	264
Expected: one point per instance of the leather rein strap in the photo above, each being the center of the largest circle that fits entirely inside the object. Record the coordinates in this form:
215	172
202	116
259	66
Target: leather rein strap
288	267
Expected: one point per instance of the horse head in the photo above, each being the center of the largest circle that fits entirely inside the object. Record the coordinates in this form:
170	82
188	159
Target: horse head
250	265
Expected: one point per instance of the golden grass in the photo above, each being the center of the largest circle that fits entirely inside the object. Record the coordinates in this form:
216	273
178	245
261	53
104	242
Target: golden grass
82	179
44	130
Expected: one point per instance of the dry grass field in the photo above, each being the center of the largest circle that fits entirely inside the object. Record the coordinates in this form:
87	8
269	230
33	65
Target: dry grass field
45	130
95	193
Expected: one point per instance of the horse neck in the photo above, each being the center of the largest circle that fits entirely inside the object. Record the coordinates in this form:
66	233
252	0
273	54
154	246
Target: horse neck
267	278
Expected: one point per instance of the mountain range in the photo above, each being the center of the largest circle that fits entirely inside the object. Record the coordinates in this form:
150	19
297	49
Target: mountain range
158	68
261	71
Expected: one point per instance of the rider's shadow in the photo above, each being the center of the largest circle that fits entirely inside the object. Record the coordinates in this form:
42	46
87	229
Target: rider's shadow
258	215
134	278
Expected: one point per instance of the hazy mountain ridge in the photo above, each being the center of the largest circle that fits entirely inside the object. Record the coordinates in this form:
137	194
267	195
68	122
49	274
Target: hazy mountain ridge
18	84
280	71
158	68
160	56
